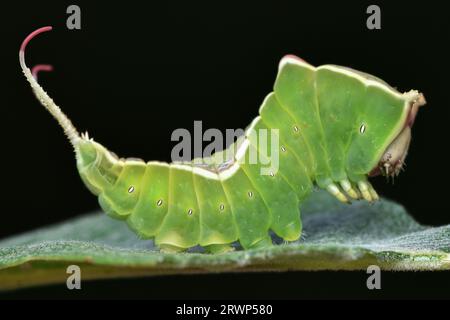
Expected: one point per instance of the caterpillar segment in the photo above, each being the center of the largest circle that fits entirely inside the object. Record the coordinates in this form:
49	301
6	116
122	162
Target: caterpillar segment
328	126
355	123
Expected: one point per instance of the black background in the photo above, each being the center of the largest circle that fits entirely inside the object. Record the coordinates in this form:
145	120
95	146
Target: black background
138	70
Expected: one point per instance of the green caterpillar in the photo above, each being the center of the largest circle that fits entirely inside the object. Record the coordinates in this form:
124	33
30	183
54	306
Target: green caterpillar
336	126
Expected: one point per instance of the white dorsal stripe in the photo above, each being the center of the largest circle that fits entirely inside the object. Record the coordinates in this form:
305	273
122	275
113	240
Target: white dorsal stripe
408	96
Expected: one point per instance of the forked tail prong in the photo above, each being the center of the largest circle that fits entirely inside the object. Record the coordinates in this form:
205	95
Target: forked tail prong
69	129
40	67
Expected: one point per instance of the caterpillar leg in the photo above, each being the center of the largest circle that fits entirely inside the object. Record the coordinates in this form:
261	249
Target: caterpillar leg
367	191
261	243
168	248
219	248
347	187
334	190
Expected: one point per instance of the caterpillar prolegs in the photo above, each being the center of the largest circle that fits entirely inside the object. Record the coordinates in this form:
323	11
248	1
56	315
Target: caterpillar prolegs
335	127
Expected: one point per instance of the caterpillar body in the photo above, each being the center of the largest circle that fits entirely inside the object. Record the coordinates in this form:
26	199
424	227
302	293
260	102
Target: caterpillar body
335	126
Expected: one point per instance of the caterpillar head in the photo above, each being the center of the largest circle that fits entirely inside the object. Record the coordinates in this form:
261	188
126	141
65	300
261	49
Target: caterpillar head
393	158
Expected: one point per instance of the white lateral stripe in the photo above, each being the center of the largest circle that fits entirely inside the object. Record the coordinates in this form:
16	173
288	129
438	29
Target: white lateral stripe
181	167
240	153
264	103
229	172
205	173
408	97
158	163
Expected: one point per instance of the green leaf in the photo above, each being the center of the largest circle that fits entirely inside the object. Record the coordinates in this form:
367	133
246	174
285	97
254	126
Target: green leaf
335	237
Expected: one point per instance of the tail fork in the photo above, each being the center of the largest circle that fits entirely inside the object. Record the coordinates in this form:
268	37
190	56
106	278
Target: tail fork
69	129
